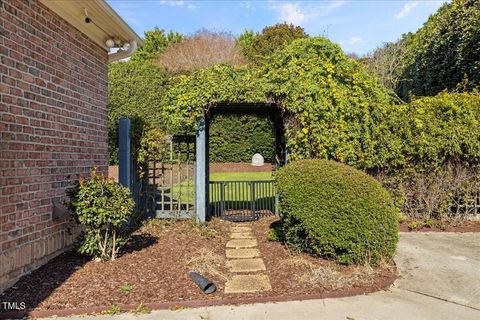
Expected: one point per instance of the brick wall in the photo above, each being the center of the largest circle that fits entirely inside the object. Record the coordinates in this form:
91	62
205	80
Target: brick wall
53	126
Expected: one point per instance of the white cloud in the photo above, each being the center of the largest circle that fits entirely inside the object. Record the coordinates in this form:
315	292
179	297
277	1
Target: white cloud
296	13
178	3
406	9
292	13
246	4
355	40
173	3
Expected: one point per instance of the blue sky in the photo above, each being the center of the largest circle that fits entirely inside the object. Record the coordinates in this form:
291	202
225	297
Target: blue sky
358	26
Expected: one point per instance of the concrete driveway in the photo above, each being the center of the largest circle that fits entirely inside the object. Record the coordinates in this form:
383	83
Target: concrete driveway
439	279
441	265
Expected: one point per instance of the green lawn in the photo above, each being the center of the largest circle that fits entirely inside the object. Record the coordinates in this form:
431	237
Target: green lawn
240	176
181	191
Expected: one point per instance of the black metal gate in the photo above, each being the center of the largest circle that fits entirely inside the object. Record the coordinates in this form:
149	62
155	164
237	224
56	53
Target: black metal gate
242	200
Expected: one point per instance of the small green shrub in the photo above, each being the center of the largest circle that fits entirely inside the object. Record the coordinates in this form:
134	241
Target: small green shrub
104	208
153	146
428	223
335	211
415	225
275	232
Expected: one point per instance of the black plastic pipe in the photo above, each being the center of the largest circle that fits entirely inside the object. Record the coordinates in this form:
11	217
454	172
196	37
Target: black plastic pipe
203	283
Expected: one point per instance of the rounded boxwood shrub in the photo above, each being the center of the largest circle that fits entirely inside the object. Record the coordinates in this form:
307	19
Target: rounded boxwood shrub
335	211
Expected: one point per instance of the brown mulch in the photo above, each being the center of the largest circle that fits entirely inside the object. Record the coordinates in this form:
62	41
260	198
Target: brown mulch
239	167
440	226
153	264
153	269
285	269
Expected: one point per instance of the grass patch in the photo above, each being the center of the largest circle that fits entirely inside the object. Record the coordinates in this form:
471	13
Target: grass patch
186	191
240	176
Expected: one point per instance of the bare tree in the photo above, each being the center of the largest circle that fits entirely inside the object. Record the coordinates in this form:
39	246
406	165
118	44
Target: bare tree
205	48
388	62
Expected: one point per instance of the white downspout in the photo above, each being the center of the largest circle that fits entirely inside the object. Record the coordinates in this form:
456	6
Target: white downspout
122	54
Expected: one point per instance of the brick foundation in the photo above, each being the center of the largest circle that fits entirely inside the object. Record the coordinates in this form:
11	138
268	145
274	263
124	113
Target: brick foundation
53	129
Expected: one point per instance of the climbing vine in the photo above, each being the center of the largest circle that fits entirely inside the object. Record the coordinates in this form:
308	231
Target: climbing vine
192	95
332	108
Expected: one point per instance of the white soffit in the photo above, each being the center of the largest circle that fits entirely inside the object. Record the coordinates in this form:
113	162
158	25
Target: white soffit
106	23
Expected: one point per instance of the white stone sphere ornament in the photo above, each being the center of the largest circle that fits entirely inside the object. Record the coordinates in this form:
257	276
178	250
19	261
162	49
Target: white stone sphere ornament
258	160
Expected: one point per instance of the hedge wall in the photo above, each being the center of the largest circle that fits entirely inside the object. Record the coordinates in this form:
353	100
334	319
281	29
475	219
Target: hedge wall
442	128
135	90
138	90
332	109
445	52
439	174
237	137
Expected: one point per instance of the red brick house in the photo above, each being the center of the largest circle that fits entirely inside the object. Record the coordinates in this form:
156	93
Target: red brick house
53	118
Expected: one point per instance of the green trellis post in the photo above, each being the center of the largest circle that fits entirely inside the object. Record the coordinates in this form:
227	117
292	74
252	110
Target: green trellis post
201	170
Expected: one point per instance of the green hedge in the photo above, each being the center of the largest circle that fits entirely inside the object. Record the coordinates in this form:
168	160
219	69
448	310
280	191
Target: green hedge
135	90
445	52
237	137
442	128
440	155
335	211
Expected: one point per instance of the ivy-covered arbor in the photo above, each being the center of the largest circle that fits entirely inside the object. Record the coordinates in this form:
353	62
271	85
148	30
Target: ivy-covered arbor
202	145
330	108
328	105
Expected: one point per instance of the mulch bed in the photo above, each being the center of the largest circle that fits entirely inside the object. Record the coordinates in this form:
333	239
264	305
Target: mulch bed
284	269
239	167
440	226
153	270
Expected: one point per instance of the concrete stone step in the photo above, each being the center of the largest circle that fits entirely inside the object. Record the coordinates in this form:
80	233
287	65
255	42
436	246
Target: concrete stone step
239	224
241	235
248	283
242	243
244	253
246	265
240	229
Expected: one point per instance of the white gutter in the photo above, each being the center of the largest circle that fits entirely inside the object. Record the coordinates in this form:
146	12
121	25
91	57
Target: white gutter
123	54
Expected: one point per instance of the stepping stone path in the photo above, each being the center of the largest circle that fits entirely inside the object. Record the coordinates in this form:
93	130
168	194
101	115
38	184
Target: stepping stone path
243	256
